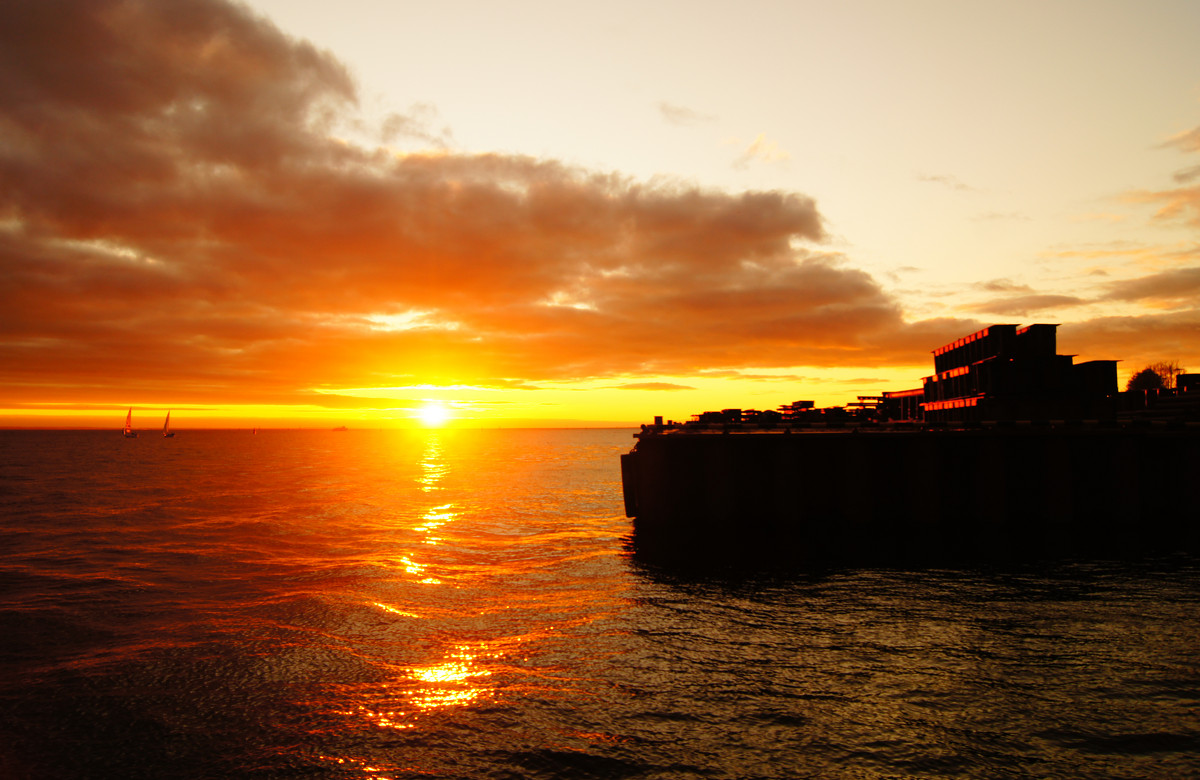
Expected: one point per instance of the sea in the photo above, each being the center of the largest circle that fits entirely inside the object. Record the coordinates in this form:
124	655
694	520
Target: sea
474	604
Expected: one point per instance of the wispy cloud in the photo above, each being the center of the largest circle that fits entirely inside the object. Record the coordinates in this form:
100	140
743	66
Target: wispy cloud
1002	216
653	386
1026	305
1187	174
1013	299
1178	286
756	376
953	182
1004	286
682	115
1174	205
1180	204
418	124
1138	340
1187	141
761	149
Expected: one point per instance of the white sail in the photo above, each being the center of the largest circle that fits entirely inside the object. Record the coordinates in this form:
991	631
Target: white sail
167	426
128	432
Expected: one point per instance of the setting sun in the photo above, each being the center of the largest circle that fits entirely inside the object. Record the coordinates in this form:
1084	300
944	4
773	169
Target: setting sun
488	247
433	414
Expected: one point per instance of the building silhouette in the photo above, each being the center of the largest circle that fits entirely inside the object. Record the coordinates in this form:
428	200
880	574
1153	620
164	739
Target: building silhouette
1005	372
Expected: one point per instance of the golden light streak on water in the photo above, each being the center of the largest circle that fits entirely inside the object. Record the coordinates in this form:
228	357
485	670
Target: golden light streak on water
435	518
394	611
360	765
224	605
451	682
433	469
412	567
433	465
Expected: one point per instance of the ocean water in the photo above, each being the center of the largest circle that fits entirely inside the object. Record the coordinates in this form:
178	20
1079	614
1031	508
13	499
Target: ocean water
472	604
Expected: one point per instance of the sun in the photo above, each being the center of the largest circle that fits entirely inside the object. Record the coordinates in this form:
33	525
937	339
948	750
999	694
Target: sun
433	414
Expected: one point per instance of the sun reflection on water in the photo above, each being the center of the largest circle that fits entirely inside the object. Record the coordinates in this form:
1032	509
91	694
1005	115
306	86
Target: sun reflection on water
361	765
433	469
433	464
395	611
467	623
453	681
435	518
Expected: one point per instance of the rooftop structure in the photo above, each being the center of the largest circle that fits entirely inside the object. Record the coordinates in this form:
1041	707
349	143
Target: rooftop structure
1006	372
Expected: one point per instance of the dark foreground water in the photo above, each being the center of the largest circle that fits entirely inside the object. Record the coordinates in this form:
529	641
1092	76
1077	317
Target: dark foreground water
466	605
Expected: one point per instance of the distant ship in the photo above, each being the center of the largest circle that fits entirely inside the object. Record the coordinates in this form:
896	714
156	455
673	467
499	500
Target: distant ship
167	433
129	432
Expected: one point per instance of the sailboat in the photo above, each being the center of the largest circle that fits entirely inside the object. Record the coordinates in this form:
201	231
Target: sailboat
129	432
167	427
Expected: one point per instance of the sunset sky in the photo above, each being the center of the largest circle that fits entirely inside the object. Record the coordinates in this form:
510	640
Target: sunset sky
549	213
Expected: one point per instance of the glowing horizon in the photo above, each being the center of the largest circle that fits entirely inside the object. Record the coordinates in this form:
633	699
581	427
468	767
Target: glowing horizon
303	214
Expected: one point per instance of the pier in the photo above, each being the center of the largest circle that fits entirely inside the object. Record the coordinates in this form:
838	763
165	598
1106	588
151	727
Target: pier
920	475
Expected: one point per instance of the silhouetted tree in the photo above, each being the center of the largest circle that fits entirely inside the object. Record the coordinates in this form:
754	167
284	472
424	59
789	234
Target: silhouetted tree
1156	376
1146	379
1168	370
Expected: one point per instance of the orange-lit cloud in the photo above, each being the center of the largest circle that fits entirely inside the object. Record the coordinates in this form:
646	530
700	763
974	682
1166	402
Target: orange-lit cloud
1137	340
179	216
1178	286
654	386
1026	305
1181	203
1187	141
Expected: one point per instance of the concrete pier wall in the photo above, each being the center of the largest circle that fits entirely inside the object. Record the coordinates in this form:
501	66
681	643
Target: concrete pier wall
1005	491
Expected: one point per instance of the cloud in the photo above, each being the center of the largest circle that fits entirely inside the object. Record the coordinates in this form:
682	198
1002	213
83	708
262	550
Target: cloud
653	386
1100	217
416	125
1137	341
1187	174
711	373
1179	286
1174	288
761	150
1025	305
1181	203
681	115
1001	216
1003	285
178	220
953	182
1187	141
1019	300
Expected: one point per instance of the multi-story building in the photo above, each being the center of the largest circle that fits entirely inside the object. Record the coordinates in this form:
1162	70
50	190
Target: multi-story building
1005	372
